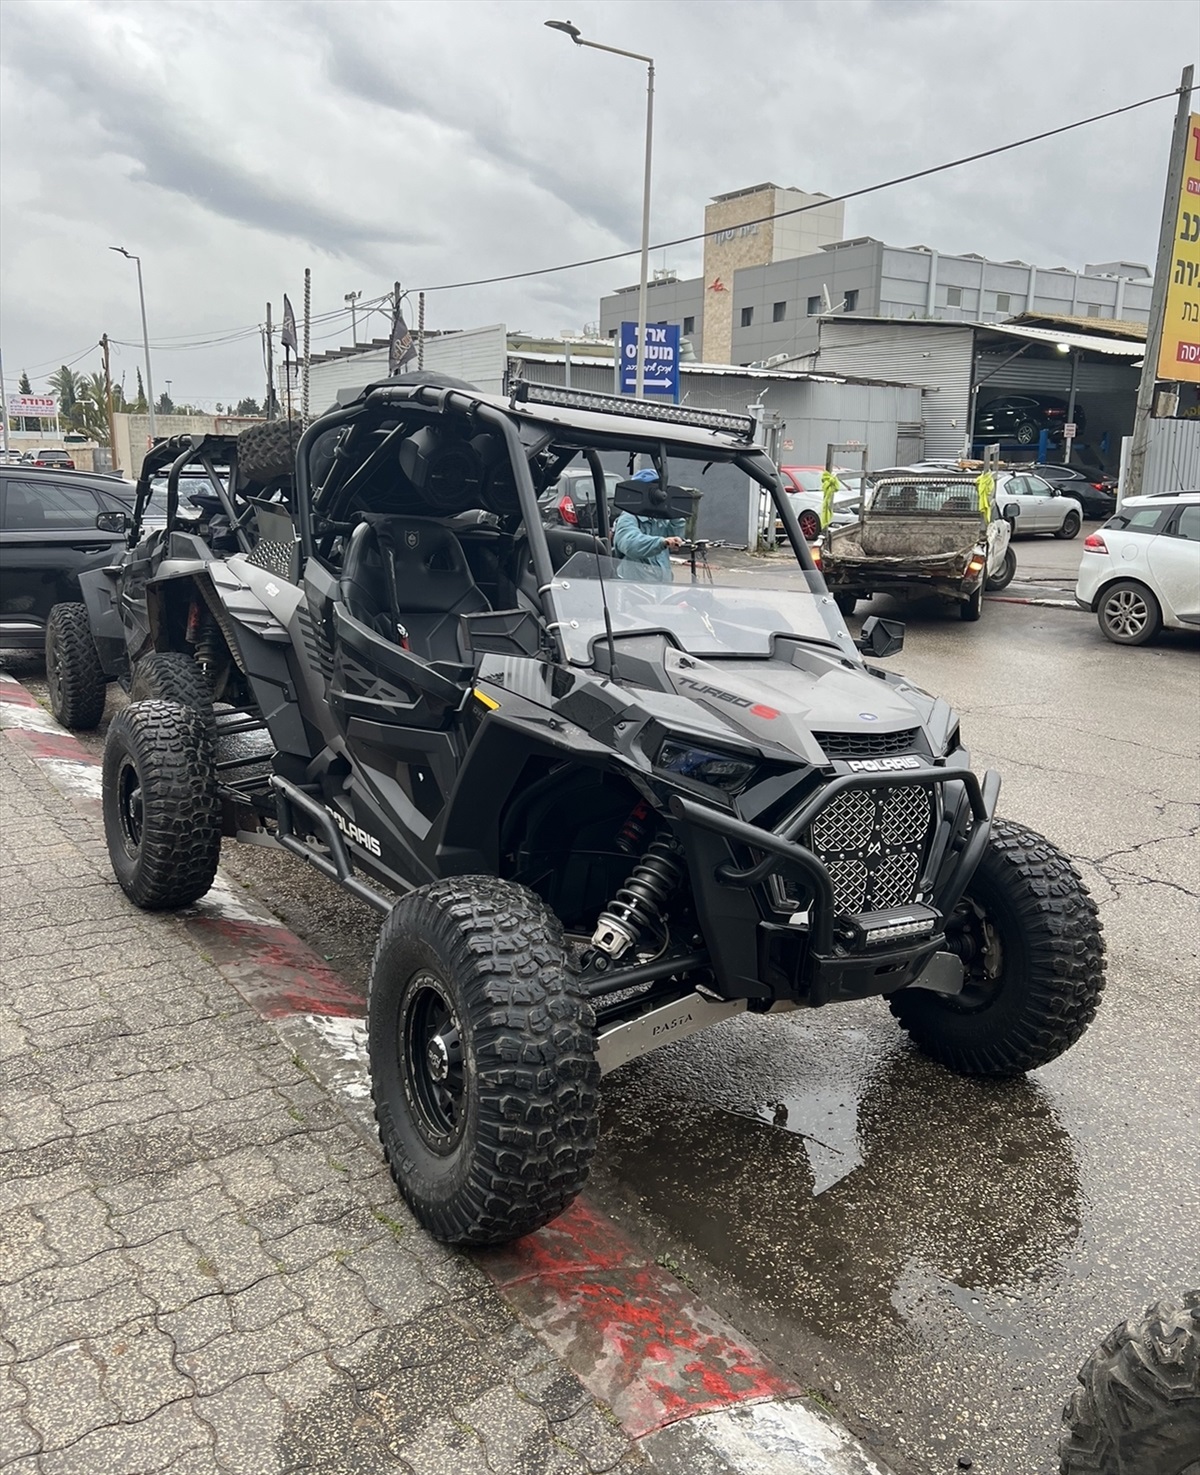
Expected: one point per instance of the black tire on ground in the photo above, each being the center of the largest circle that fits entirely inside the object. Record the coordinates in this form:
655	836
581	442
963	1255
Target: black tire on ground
1030	939
847	603
171	676
74	677
267	452
1026	434
1128	613
162	818
971	609
1004	577
1070	526
1137	1409
483	1064
810	525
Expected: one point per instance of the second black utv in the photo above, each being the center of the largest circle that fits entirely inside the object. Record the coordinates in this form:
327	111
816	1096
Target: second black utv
619	801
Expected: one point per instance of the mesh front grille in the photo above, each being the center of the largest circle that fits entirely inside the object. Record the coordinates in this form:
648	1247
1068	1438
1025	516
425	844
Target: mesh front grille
867	744
872	842
276	558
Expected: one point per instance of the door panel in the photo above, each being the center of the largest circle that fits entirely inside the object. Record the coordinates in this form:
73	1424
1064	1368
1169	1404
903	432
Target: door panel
1174	559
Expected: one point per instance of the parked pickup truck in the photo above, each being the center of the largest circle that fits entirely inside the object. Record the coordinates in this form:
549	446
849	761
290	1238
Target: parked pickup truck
921	533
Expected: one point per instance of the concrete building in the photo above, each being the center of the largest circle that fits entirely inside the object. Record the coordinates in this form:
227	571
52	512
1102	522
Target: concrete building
741	236
767	284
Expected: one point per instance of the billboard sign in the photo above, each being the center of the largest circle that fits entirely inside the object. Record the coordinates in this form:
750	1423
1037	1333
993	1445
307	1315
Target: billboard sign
32	407
661	372
1179	352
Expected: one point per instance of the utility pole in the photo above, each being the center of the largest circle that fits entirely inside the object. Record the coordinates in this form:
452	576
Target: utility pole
4	407
352	298
1131	485
420	330
307	329
270	356
112	425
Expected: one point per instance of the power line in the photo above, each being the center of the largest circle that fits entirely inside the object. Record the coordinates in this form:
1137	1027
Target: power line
545	271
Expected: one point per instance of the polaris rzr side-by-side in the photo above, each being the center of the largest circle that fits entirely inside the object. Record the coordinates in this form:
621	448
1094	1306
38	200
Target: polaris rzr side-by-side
618	803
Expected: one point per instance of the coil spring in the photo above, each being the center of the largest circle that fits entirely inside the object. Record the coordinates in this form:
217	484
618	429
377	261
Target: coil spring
640	902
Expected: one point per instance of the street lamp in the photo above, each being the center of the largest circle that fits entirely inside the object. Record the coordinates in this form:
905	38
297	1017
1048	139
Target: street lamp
573	31
145	332
352	298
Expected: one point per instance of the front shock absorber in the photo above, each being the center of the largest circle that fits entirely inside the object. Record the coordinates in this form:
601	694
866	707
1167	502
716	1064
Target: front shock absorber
640	903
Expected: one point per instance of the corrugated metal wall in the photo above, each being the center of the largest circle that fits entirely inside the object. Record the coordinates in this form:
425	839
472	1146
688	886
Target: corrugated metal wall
478	355
1172	457
936	356
1054	376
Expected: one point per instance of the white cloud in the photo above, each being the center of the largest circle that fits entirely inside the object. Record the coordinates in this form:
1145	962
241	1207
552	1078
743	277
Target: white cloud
234	144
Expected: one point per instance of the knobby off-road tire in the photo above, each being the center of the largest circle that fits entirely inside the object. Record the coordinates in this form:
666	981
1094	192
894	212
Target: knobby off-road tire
1033	953
483	1064
267	452
1004	577
1137	1410
972	608
161	814
74	676
170	676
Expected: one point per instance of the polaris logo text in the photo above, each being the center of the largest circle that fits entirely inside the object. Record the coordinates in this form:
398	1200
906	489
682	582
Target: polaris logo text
352	832
883	765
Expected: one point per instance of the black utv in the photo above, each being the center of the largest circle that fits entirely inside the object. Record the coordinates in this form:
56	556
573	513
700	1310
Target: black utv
618	804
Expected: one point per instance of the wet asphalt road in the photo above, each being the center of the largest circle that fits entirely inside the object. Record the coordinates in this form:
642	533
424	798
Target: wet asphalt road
933	1256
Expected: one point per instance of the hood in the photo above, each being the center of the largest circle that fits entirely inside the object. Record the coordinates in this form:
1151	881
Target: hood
779	703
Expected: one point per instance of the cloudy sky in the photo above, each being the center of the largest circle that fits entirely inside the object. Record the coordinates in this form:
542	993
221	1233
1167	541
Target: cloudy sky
234	144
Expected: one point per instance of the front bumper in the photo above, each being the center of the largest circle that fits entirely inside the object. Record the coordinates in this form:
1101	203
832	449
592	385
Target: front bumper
754	956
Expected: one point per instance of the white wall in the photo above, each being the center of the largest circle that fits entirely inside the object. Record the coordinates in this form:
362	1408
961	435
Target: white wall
478	355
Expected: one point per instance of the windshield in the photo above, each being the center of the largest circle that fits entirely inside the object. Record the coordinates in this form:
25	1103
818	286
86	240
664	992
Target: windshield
717	612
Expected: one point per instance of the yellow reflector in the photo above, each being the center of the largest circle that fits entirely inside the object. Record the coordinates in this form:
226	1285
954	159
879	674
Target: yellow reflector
487	701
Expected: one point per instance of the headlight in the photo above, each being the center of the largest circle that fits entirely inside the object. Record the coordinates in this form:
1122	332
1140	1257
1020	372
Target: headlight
704	765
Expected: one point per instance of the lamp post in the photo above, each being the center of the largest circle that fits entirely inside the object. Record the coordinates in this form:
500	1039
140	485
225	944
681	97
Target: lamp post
352	298
573	31
145	332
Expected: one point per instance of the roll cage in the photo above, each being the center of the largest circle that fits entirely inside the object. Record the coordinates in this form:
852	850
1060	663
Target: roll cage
534	429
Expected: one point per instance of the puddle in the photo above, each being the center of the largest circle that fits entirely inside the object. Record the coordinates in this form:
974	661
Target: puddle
826	1121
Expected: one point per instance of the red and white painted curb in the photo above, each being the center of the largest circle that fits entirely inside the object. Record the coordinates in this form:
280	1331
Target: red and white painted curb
691	1392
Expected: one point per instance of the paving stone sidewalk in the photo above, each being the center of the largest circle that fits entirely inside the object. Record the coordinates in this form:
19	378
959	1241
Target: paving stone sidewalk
203	1268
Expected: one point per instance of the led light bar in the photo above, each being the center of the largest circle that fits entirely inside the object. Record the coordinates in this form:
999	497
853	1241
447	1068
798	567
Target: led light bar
897	925
741	426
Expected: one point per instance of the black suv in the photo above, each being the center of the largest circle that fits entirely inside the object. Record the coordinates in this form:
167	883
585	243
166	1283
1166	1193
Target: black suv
617	803
54	525
1022	418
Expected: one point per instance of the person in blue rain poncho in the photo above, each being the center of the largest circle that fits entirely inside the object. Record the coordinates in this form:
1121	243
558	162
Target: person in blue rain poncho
643	544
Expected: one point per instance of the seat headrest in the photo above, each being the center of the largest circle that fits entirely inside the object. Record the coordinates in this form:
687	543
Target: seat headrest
431	570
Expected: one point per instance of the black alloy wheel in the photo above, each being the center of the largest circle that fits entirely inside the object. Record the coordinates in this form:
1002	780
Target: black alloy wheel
430	1044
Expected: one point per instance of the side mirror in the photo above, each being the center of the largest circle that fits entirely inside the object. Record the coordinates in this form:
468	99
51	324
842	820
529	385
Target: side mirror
880	637
1012	510
113	522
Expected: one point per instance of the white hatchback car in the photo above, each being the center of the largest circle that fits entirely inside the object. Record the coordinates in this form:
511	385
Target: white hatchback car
1141	570
1041	508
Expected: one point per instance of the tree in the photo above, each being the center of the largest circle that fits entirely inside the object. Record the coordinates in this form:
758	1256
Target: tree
165	405
92	406
65	385
247	406
139	405
23	384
